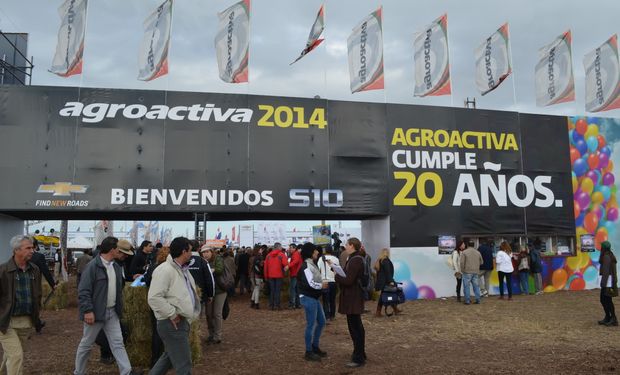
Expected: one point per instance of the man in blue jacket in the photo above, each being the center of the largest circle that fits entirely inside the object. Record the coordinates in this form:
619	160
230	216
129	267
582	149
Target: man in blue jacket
486	250
101	304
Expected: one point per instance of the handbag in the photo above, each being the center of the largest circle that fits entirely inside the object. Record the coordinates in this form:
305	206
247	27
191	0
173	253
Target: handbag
611	292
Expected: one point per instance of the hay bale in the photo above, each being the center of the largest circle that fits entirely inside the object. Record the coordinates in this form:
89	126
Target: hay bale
58	300
136	315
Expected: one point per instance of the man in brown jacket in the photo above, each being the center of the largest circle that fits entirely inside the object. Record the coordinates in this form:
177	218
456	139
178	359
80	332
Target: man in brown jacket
470	267
20	301
352	300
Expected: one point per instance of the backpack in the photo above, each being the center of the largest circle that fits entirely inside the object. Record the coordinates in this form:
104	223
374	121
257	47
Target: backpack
366	282
225	280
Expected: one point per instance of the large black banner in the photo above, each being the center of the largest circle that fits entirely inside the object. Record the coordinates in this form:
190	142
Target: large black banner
434	171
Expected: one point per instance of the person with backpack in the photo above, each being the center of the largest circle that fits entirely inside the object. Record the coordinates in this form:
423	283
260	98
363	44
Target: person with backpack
276	264
369	286
352	299
223	281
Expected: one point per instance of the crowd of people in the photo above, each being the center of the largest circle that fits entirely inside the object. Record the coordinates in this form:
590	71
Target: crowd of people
186	278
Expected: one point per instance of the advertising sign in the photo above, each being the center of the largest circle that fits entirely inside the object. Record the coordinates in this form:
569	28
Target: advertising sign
587	243
446	244
322	234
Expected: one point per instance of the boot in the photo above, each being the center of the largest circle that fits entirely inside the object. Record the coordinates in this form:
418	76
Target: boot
604	321
458	298
378	312
612	322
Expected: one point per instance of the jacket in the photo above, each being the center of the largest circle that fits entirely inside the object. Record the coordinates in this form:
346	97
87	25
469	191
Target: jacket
93	290
535	257
608	269
217	267
470	261
229	263
456	261
168	294
487	257
307	286
274	264
203	277
326	271
295	263
41	262
504	262
385	274
7	293
139	263
351	300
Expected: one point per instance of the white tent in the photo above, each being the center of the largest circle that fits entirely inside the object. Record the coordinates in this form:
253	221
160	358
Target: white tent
79	243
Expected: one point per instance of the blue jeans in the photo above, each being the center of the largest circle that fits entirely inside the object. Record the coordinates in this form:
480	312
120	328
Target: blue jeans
274	292
315	321
293	296
473	279
523	281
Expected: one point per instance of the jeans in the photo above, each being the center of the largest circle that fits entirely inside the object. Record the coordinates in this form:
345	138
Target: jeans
112	328
13	343
358	335
258	285
214	316
537	281
523	282
315	321
329	300
484	279
502	276
157	346
293	295
178	354
471	278
608	305
274	292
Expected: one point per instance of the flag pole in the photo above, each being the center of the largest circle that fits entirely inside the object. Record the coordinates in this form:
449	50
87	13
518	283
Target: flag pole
514	89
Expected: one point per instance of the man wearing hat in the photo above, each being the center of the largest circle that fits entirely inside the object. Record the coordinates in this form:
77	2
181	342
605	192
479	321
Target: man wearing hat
101	304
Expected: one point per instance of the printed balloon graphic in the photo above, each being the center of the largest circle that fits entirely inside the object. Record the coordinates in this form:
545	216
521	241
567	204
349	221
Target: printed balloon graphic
594	192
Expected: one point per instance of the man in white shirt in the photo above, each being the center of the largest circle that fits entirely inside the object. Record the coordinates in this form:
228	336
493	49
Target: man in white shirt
329	294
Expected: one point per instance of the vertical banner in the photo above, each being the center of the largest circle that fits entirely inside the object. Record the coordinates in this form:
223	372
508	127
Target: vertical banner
432	60
314	39
322	234
153	55
554	78
603	77
232	42
493	61
365	47
246	235
70	47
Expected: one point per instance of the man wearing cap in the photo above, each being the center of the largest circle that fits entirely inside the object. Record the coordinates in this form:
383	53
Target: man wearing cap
101	304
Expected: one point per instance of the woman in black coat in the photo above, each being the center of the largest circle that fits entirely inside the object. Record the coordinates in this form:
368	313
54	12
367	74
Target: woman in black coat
609	284
385	276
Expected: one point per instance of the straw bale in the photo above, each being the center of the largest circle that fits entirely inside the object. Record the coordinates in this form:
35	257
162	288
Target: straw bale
58	300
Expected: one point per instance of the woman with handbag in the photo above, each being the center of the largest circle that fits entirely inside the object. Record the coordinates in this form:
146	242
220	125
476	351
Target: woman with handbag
609	284
385	277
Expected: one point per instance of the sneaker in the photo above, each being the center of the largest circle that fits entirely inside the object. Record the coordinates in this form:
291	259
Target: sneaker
311	356
604	321
319	352
477	302
539	292
467	303
612	322
107	360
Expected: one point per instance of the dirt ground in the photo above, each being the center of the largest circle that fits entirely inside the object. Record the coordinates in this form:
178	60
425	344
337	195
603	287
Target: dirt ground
550	334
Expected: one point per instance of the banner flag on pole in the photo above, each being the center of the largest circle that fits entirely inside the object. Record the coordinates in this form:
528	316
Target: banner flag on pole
232	42
314	39
70	48
603	77
432	60
555	82
153	55
365	47
493	64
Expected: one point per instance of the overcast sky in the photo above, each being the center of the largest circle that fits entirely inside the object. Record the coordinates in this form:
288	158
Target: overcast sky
279	29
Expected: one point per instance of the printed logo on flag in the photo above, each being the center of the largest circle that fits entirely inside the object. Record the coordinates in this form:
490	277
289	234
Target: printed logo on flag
603	77
432	62
555	82
153	56
314	39
493	61
232	42
70	47
365	47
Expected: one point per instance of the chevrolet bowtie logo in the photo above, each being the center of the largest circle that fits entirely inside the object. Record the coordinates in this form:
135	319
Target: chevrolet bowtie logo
62	189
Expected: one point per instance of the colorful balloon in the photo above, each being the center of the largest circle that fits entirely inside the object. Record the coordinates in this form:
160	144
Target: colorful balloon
606	150
608	179
576	209
601	141
606	191
583	199
580	167
597	197
581	126
577	284
579	220
590	222
593	161
610	226
612	214
593	175
581	146
592	143
603	161
591	132
559	278
574	155
587	185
